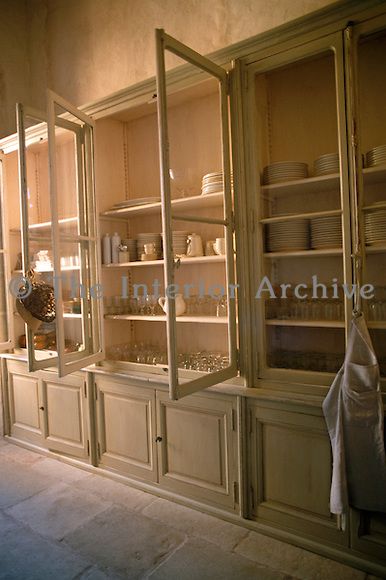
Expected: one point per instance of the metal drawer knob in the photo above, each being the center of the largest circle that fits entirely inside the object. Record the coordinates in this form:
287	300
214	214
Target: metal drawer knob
41	408
158	439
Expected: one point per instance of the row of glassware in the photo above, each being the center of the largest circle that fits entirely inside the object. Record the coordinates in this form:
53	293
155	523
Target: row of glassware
148	353
148	305
306	309
306	361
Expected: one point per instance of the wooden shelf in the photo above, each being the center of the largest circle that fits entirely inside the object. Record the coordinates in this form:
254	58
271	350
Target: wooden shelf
71	315
375	174
65	222
63	269
305	253
381	325
309	215
308	185
183	261
376	249
181	204
306	323
161	318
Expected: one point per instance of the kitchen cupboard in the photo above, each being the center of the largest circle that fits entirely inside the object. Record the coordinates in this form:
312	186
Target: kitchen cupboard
47	411
309	94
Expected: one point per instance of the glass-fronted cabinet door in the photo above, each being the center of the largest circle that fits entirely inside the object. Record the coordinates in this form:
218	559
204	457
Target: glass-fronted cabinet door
60	250
297	134
6	319
365	46
197	222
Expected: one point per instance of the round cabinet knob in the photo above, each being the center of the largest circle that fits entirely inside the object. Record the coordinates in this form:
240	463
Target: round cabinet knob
41	408
158	439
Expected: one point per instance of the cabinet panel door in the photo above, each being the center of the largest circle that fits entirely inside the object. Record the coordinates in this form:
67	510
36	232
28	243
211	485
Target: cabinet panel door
290	460
25	402
126	427
196	448
6	318
368	533
65	425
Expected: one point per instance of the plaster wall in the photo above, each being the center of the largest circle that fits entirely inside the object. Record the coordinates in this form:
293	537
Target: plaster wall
14	63
86	49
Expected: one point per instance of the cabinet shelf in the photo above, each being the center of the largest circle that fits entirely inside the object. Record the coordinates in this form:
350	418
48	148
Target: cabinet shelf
161	318
182	204
65	222
301	186
306	323
294	216
184	261
305	253
376	249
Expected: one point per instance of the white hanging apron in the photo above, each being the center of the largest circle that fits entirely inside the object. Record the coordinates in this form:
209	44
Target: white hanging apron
353	411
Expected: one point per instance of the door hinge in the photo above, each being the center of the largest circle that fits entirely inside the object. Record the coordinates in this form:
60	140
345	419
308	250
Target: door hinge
233	419
236	492
228	83
246	79
250	422
88	447
96	393
99	451
85	388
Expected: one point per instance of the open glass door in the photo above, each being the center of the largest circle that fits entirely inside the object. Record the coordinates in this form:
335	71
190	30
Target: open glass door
197	208
6	334
59	235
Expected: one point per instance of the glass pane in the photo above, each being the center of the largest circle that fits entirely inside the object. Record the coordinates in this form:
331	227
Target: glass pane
200	284
301	297
372	123
4	334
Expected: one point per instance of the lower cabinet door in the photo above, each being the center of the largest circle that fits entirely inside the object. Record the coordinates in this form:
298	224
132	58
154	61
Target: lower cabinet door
66	415
368	534
197	448
126	428
290	460
25	404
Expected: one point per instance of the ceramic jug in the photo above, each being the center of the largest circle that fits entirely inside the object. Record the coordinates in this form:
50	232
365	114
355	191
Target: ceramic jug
180	304
194	246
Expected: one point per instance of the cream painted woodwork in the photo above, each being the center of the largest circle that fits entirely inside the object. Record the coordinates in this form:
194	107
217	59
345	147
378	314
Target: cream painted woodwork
368	534
197	451
25	399
65	425
48	411
126	428
290	471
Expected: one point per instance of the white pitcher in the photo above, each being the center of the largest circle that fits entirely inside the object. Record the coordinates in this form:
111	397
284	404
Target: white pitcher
194	246
180	304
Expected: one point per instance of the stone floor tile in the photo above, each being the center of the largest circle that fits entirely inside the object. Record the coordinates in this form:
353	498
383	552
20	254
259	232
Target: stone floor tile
18	482
123	541
199	559
116	492
25	555
19	454
294	561
57	511
59	471
95	574
194	523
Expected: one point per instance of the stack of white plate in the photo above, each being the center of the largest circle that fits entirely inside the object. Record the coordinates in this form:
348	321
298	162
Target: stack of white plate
212	183
326	164
326	232
375	227
132	249
376	156
136	201
180	243
284	171
288	236
143	239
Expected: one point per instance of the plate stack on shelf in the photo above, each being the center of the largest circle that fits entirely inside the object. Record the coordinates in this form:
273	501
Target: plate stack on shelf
131	248
375	227
326	232
143	239
376	156
284	171
213	183
326	164
136	201
288	236
180	243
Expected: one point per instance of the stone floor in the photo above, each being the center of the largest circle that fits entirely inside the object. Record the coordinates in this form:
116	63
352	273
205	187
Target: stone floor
59	522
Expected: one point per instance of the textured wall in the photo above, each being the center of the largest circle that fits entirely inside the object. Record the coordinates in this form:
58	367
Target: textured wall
85	49
14	66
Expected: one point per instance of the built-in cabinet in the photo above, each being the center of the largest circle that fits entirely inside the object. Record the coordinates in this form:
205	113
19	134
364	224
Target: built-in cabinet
189	448
198	151
47	411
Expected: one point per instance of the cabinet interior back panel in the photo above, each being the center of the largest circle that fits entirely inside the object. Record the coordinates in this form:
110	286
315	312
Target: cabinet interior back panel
110	170
297	110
